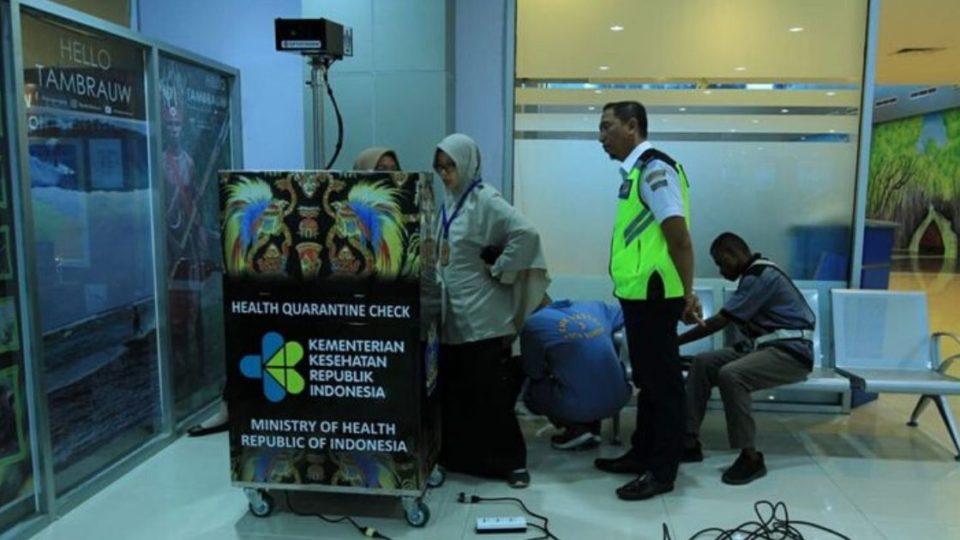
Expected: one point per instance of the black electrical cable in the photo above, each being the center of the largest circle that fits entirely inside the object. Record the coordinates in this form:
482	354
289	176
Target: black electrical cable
369	532
546	533
336	108
546	522
775	526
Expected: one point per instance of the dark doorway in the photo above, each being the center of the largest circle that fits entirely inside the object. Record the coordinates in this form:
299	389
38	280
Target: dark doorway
931	243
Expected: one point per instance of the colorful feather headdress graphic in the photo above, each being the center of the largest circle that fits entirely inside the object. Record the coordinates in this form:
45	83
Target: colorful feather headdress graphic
373	212
251	217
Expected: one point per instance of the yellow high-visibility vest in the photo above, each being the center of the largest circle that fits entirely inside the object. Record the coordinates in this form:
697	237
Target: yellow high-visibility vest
638	249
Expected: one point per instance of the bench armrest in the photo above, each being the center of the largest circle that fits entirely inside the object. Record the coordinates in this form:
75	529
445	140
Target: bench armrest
619	338
941	365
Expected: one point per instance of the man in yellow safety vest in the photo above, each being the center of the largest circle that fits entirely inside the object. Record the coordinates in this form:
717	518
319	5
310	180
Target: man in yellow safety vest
651	263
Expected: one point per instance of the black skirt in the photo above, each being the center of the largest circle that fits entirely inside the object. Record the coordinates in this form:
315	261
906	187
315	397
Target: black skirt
479	386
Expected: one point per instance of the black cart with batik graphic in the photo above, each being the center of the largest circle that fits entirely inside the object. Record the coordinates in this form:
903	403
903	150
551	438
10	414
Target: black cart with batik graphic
331	313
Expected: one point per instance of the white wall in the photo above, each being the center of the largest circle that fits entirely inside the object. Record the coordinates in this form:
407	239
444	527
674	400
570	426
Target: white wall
240	33
397	89
480	71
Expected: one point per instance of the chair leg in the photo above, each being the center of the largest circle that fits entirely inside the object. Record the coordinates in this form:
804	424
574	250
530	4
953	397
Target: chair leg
615	437
944	407
918	410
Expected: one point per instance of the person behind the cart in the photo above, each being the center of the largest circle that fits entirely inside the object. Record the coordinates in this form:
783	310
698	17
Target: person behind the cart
574	375
483	308
377	158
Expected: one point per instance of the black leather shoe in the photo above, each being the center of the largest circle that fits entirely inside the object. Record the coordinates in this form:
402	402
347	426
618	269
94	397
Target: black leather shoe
199	431
643	487
625	464
692	455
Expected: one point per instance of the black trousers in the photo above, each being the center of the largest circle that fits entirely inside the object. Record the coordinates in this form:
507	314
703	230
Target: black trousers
478	391
651	327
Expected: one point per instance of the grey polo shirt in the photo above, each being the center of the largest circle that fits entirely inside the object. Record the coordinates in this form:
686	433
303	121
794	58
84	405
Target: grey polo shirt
767	300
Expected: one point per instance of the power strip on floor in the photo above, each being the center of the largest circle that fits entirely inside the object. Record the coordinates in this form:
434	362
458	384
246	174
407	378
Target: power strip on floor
499	525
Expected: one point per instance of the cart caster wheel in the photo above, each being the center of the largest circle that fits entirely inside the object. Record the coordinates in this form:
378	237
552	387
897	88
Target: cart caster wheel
437	477
261	504
418	515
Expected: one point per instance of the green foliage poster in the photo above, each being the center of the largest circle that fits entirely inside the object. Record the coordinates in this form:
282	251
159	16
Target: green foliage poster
915	176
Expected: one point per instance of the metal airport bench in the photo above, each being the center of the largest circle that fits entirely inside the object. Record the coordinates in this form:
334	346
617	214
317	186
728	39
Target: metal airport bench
883	344
822	381
706	295
822	378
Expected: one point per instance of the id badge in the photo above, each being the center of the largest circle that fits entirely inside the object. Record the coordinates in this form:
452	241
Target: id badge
443	302
444	252
625	189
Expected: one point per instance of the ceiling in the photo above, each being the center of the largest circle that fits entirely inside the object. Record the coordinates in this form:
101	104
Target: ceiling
718	41
919	23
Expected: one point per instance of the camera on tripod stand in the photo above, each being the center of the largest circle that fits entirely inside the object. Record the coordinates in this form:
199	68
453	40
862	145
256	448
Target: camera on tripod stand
314	37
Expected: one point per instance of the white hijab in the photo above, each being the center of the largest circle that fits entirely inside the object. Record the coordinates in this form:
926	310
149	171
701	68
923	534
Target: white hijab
466	154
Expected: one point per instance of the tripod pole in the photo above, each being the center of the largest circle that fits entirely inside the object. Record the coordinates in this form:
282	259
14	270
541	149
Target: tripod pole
318	159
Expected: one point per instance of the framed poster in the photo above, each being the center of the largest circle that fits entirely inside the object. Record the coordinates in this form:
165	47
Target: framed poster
3	178
9	325
13	447
6	262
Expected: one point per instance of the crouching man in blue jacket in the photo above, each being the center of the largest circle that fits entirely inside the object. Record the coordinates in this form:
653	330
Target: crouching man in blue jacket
575	377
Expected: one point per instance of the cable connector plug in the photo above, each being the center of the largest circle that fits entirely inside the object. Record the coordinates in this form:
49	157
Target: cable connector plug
472	499
370	532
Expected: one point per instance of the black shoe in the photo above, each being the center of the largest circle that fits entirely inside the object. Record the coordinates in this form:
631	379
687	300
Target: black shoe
518	479
583	441
560	437
199	431
745	470
625	464
692	455
643	487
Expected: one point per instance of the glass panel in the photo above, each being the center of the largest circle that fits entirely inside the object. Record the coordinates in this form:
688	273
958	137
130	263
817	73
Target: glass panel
16	465
195	111
91	195
763	114
911	240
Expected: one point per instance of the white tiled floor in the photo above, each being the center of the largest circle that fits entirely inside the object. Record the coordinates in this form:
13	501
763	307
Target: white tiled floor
866	475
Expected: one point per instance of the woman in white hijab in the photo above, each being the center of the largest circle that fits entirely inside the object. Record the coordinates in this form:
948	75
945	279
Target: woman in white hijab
484	308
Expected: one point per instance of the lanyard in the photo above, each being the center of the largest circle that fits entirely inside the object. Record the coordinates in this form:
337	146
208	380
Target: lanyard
456	210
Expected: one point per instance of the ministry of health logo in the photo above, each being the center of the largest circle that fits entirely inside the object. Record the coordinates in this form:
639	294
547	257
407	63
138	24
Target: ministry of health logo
276	366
